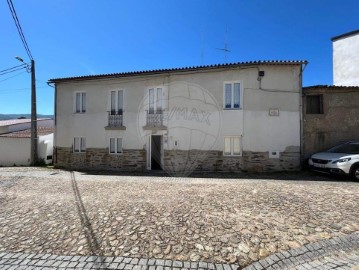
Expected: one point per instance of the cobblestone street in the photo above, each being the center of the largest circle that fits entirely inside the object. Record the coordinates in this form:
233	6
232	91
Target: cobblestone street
217	221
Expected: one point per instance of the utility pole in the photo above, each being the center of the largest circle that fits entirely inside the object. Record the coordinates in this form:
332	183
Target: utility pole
34	140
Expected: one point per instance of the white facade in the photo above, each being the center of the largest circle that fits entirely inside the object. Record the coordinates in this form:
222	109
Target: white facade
346	59
16	151
268	119
15	141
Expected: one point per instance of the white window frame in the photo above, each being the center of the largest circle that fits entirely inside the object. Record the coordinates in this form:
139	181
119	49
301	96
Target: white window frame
232	95
231	138
117	105
158	101
80	146
82	110
116	139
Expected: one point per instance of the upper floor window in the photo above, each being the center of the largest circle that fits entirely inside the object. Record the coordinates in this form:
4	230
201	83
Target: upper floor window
115	146
232	95
155	100
116	102
232	146
79	145
314	104
80	102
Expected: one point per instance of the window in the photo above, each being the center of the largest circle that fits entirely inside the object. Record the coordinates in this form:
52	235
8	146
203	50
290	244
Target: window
116	102
232	146
315	104
232	95
79	144
155	100
80	103
115	146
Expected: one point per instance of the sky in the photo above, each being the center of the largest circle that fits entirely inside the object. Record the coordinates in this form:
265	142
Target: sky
85	37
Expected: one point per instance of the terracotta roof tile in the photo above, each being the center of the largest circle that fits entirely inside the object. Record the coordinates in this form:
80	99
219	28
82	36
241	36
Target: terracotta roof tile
41	131
159	71
18	121
330	87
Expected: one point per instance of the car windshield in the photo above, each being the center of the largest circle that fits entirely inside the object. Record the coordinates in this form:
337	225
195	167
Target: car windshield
348	148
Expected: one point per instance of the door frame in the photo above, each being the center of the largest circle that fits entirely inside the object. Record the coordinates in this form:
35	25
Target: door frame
149	151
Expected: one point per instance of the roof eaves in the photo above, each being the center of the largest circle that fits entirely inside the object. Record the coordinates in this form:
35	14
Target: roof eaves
330	86
352	33
183	69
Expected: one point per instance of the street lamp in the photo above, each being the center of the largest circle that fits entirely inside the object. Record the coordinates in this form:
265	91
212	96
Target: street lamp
34	140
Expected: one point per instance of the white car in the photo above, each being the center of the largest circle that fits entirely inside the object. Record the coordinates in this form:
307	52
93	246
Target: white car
341	159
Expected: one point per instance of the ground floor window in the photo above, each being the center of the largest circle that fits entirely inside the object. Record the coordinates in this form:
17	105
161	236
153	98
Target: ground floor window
115	146
79	144
232	146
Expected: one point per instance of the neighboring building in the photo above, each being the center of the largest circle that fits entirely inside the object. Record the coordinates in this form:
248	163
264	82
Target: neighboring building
229	117
15	138
331	116
346	59
331	112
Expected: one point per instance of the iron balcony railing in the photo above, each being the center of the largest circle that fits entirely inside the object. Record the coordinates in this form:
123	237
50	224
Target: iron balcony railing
154	118
115	118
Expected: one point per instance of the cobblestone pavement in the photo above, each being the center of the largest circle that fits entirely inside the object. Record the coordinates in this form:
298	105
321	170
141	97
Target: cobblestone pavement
230	221
336	253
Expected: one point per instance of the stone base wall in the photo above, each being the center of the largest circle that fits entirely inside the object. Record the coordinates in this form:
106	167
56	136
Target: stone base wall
176	160
195	160
100	159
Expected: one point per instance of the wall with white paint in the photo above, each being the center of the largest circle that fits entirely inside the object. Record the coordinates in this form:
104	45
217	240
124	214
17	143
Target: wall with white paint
14	151
346	60
279	89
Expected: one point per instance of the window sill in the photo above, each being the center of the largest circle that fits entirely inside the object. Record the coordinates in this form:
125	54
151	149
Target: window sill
154	127
79	152
231	156
115	128
116	154
232	109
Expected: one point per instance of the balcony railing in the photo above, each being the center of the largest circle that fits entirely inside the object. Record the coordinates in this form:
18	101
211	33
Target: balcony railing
115	118
154	118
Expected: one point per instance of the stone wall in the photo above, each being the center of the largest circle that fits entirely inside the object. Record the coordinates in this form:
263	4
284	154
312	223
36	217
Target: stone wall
195	160
100	159
338	123
177	161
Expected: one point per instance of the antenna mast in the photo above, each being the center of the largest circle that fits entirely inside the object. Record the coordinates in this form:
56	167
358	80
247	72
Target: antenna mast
225	49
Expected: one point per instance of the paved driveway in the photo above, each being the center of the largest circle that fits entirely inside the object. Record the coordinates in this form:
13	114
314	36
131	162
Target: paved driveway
214	220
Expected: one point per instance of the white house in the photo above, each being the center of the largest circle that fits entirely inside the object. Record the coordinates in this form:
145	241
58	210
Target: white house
346	59
229	117
15	138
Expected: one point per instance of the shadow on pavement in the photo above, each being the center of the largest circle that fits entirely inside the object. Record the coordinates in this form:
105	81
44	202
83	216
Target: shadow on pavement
91	239
304	175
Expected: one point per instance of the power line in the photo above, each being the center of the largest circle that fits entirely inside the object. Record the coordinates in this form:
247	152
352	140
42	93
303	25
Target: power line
12	68
19	89
13	76
19	29
9	71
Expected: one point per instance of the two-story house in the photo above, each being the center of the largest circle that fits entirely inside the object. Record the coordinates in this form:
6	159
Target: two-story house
229	117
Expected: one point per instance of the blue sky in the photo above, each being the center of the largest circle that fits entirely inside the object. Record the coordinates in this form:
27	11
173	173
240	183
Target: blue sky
82	37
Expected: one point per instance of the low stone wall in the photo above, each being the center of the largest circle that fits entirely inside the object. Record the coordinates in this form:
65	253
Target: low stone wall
176	160
100	159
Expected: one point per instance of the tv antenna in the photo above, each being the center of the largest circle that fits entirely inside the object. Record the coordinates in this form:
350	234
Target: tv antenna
225	49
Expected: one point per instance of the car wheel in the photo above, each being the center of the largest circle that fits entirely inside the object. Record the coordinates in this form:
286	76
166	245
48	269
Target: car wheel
355	172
